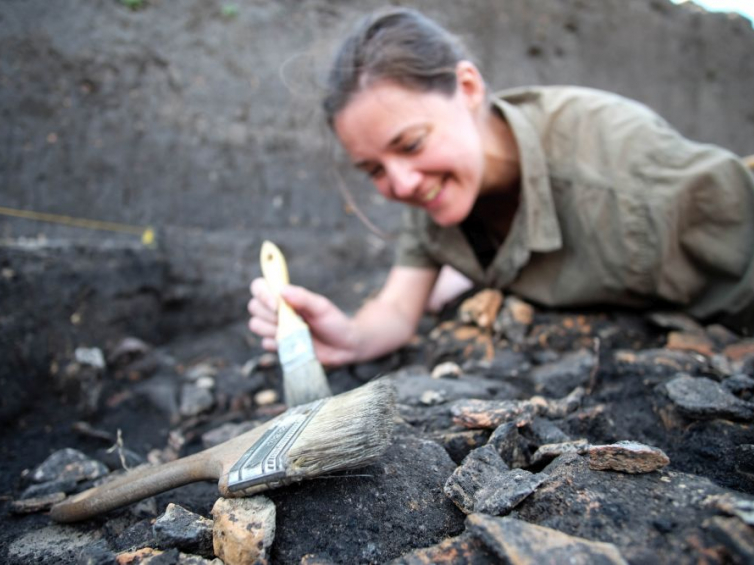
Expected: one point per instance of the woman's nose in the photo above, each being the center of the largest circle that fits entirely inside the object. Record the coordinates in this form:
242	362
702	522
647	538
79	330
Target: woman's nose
404	179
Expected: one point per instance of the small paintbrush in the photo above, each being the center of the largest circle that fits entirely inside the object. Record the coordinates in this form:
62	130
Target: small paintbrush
304	379
342	432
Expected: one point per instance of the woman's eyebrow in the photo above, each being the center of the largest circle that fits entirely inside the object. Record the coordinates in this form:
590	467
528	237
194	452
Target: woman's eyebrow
397	140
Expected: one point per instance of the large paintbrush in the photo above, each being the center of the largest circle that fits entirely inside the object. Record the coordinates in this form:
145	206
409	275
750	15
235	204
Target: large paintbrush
304	379
342	432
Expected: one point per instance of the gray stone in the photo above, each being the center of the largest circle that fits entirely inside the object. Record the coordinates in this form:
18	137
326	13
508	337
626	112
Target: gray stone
548	452
225	432
184	530
741	385
560	378
51	544
411	388
195	400
68	464
460	444
543	430
42	489
514	320
735	536
509	444
745	458
519	543
702	398
38	504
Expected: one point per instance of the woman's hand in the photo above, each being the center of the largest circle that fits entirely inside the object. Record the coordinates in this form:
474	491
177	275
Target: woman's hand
332	330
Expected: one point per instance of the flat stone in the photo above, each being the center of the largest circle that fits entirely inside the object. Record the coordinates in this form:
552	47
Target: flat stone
514	320
266	397
483	483
548	452
493	413
740	385
465	549
627	457
152	556
244	529
482	308
446	370
733	505
675	321
65	486
68	464
557	379
703	398
51	544
185	530
37	504
561	407
519	543
659	362
686	341
543	431
740	351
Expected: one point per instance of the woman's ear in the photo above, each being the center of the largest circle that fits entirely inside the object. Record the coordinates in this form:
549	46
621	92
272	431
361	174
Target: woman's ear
470	84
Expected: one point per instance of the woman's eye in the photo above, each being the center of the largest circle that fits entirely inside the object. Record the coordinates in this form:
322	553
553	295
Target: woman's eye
413	146
375	172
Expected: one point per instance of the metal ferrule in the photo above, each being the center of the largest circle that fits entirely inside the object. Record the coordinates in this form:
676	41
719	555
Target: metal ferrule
265	461
295	350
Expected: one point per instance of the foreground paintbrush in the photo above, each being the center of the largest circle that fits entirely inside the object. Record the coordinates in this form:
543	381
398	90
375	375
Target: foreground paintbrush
341	432
304	379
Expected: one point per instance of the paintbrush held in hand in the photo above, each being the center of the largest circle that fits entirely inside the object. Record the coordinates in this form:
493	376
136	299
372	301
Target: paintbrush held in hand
342	432
304	379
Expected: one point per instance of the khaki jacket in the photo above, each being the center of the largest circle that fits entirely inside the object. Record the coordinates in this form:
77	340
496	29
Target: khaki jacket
617	208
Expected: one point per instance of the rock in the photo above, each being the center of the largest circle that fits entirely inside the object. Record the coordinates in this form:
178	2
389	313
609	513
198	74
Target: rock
97	554
447	370
514	320
560	378
703	398
266	397
740	351
137	536
152	556
65	486
68	464
37	504
184	530
119	458
465	549
162	392
493	413
735	536
506	364
411	388
627	457
740	385
543	431
733	505
661	363
128	350
483	483
685	341
195	400
561	407
675	321
91	357
519	543
509	445
50	544
482	308
548	452
200	370
244	529
460	444
453	340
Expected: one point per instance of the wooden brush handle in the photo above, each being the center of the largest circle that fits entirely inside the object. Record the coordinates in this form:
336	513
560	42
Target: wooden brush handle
137	485
275	271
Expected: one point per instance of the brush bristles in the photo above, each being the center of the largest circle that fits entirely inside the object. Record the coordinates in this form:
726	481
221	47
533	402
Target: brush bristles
350	430
305	384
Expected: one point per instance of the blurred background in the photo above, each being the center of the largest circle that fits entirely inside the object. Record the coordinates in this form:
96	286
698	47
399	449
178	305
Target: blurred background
148	147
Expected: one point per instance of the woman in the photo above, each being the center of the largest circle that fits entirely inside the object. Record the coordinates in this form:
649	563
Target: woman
565	196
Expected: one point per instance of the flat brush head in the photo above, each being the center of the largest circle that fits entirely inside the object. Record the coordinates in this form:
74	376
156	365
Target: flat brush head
342	432
304	379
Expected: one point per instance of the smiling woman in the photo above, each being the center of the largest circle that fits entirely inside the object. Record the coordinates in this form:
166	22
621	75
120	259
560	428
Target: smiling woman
565	196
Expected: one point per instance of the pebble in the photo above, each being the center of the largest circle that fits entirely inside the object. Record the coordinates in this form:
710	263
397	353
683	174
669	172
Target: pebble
447	370
482	308
465	549
514	320
548	452
195	400
244	529
90	356
703	398
68	464
627	457
184	530
519	543
493	413
266	397
37	504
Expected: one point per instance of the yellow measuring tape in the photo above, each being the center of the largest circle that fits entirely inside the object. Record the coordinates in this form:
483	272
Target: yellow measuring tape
147	234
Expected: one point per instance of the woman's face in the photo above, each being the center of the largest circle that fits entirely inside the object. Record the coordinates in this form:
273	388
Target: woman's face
422	149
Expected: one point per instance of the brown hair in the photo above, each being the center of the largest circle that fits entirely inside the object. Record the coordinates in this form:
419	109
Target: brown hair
400	45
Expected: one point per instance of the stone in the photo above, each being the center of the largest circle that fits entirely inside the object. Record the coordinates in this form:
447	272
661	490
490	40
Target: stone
520	543
37	504
561	407
741	385
195	400
411	388
482	308
675	321
483	483
733	505
460	342
68	464
200	370
543	431
627	457
50	544
548	452
493	413
227	431
509	445
90	356
184	530
745	458
701	398
244	529
557	379
685	341
446	370
460	444
465	549
97	554
661	363
136	536
735	536
128	350
740	351
266	397
65	486
514	320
